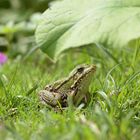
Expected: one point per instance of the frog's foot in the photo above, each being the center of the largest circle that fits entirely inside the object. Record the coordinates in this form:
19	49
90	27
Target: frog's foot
50	98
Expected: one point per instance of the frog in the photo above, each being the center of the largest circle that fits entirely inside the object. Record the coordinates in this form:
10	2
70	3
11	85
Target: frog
74	87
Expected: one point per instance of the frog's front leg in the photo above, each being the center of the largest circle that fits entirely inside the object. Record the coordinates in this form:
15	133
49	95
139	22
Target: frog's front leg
87	98
82	98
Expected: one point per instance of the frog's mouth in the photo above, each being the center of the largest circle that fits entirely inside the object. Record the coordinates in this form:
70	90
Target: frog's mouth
89	69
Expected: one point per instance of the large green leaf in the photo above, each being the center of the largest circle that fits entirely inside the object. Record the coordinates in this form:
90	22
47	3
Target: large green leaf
73	23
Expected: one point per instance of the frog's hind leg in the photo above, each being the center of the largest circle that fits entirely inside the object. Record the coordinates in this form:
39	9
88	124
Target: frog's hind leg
50	98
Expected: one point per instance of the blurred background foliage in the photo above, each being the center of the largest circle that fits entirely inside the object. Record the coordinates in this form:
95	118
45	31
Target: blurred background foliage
18	20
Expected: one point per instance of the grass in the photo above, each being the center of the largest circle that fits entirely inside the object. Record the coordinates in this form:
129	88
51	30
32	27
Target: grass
113	113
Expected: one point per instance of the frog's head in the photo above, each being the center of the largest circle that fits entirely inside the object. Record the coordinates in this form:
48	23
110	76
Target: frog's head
83	71
83	75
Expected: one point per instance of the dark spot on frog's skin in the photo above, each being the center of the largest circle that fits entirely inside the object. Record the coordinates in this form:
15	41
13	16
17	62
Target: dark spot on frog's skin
64	96
64	100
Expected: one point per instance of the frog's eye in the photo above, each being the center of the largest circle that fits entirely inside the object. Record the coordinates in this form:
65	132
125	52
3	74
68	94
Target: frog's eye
80	70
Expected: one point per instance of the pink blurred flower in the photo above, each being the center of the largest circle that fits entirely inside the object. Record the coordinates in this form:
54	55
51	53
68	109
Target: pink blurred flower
3	58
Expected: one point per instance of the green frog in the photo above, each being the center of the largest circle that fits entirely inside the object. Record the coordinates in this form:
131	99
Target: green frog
75	87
